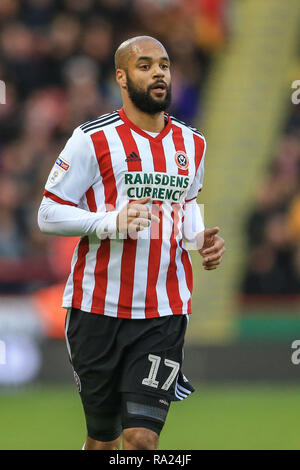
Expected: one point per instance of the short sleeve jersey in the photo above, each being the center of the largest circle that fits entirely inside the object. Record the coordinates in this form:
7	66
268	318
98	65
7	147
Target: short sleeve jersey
107	163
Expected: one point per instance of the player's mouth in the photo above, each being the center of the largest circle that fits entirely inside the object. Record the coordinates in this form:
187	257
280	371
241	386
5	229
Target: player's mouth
159	88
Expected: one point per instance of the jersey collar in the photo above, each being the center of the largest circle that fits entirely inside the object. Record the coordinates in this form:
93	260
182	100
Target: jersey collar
159	137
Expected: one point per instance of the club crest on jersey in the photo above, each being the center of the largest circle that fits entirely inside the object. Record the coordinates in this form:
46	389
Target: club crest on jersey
182	160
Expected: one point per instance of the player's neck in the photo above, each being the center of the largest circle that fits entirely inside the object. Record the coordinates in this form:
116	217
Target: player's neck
145	121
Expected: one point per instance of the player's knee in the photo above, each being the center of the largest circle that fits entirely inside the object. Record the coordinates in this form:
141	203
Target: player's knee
92	444
140	439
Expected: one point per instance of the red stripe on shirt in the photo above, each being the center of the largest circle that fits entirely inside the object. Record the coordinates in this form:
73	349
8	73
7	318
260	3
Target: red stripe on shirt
127	278
158	154
151	302
110	192
58	199
199	151
101	277
129	244
172	279
90	197
106	170
83	249
130	148
156	232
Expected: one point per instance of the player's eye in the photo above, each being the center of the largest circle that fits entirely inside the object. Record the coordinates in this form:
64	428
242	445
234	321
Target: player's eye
144	66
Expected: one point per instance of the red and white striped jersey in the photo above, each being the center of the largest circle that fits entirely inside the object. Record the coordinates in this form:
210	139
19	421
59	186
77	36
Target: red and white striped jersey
105	164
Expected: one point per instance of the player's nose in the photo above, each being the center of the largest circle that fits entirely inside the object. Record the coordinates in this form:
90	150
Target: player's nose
158	71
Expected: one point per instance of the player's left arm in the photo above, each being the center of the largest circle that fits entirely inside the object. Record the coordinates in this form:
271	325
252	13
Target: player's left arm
207	241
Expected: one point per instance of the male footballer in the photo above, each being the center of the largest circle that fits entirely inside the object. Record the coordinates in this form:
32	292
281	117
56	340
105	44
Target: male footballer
127	183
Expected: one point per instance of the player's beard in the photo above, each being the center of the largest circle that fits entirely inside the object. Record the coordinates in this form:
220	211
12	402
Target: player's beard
143	100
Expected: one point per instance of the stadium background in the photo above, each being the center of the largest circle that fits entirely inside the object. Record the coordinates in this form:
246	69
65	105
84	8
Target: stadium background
234	63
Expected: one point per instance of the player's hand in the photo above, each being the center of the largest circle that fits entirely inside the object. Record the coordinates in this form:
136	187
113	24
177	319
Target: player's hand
135	216
212	249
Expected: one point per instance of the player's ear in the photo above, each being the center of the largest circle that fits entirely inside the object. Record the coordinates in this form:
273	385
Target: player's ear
121	78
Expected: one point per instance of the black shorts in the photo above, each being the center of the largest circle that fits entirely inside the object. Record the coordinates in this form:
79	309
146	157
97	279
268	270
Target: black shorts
116	357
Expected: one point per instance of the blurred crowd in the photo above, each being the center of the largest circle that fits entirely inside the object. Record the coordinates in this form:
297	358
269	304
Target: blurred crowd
56	60
273	227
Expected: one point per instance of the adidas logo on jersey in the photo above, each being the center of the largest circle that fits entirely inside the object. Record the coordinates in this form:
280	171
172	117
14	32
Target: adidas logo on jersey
133	157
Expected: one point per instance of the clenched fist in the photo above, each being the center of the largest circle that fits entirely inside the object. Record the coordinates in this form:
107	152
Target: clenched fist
212	248
135	217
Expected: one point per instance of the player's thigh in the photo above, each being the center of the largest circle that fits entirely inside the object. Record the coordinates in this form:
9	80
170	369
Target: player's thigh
153	364
96	361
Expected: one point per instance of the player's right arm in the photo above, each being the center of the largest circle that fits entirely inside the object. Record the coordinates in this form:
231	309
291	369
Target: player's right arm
74	172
